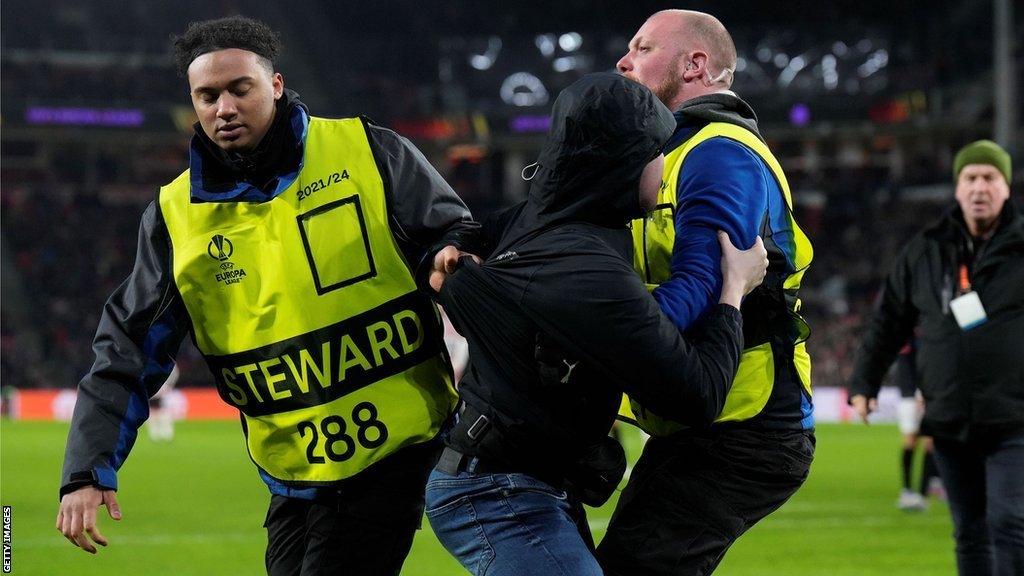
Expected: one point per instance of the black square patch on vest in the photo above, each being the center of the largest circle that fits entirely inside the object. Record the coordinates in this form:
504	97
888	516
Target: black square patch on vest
337	244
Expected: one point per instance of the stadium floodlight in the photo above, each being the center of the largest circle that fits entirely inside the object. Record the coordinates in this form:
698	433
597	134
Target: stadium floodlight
523	89
546	44
570	41
566	63
486	60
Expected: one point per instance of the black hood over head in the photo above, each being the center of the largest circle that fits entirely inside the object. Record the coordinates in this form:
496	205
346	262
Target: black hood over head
605	129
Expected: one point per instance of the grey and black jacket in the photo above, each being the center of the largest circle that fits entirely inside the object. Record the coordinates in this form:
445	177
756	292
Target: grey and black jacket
144	321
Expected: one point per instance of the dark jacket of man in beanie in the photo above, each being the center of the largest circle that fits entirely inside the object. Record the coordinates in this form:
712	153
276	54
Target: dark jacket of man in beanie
962	281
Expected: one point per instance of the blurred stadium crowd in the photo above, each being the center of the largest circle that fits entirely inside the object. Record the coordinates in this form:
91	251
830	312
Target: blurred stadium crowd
862	111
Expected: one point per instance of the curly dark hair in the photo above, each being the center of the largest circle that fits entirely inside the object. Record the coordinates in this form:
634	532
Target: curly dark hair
231	32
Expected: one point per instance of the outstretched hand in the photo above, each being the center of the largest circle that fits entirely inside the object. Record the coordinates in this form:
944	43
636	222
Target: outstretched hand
77	516
864	406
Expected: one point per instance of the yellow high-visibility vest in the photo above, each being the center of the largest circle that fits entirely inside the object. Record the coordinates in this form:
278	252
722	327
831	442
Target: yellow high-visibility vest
309	317
653	239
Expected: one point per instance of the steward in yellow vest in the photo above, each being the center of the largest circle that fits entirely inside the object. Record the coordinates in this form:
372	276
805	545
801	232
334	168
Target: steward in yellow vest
700	485
296	259
322	384
773	384
719	175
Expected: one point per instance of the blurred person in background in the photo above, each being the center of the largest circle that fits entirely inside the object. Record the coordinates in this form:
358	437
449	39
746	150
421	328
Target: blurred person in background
696	489
962	280
161	418
297	251
908	419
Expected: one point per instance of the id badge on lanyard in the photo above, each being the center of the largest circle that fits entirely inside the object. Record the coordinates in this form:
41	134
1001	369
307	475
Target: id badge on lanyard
967	308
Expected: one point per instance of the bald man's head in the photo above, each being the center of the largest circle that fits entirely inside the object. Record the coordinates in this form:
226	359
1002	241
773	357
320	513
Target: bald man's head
680	55
701	31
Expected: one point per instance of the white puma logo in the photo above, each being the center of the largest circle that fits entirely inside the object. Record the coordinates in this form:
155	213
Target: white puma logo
565	379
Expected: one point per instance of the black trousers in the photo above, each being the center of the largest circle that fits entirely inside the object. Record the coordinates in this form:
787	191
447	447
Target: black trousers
364	528
985	484
692	495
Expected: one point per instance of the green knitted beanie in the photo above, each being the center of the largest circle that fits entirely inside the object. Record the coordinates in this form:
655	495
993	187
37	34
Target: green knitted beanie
982	152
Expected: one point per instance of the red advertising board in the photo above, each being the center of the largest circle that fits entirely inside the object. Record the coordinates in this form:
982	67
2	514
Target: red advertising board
55	404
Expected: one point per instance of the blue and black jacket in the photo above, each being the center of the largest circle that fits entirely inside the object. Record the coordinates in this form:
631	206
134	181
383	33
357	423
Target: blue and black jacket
723	185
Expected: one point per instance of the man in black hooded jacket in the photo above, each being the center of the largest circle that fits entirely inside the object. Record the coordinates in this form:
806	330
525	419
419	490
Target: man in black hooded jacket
530	442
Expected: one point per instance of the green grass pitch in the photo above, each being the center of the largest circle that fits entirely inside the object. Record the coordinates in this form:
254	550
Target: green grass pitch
196	506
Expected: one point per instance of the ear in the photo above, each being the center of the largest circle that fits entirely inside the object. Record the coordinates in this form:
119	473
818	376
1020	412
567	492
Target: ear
696	66
277	81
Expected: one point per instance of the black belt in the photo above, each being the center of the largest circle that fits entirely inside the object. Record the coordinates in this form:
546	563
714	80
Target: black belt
475	430
452	462
471	428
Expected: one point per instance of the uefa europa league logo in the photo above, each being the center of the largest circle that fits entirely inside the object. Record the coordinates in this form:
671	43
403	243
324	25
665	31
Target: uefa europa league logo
220	248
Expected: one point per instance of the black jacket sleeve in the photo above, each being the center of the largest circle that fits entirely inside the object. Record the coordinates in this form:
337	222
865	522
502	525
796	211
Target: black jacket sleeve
601	313
494	227
140	330
890	327
426	214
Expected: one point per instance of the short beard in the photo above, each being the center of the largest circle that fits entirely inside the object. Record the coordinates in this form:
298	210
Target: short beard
668	90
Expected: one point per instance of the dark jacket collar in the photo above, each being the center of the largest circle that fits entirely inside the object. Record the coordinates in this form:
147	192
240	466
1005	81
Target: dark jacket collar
951	226
719	107
220	176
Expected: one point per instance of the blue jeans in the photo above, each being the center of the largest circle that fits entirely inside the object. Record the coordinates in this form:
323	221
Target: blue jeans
985	485
509	525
